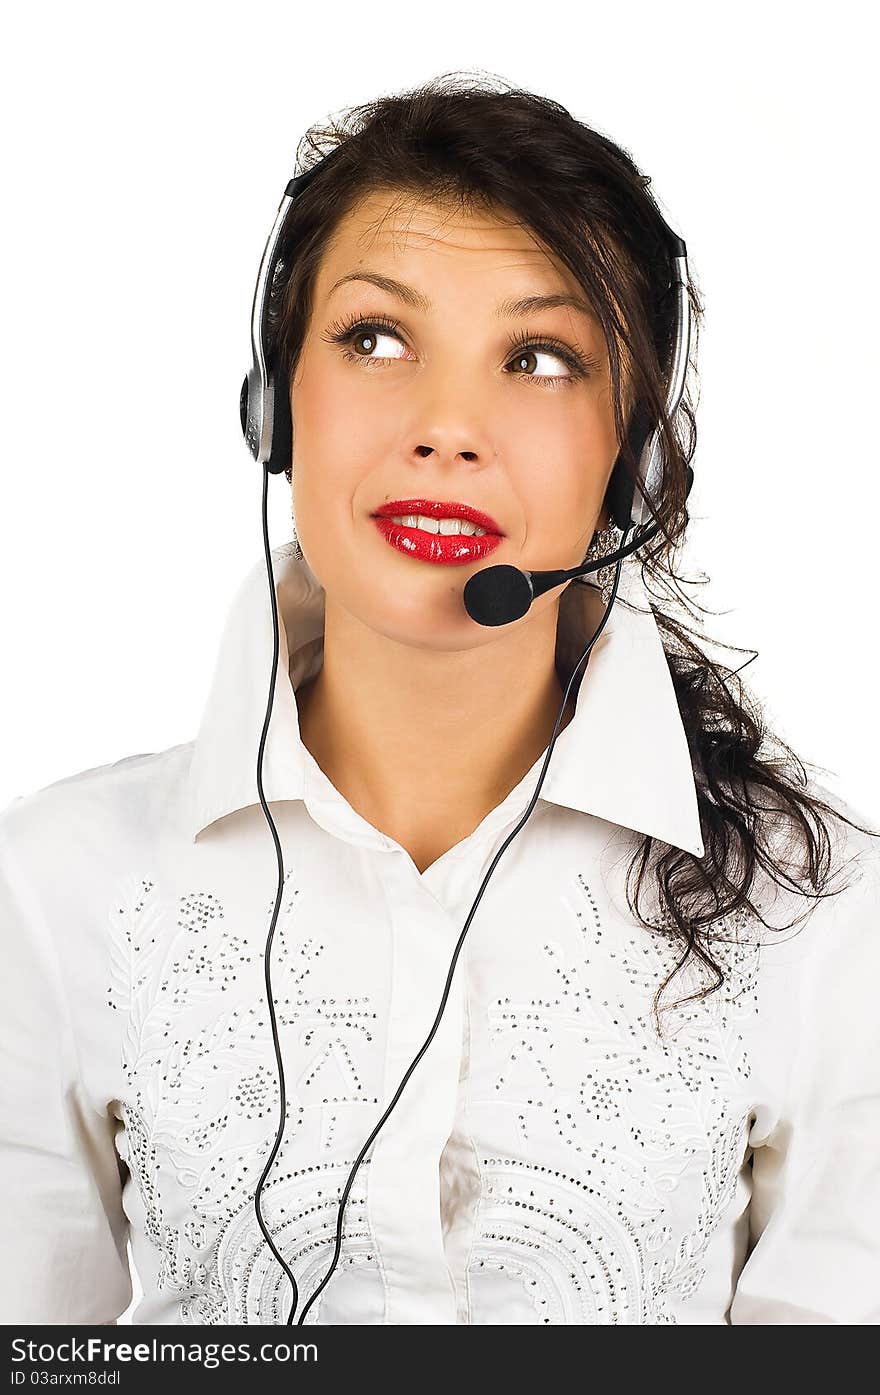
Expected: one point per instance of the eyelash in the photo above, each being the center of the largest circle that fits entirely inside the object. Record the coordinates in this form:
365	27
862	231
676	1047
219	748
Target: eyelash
344	332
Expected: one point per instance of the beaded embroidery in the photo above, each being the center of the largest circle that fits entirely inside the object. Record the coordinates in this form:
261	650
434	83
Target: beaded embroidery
655	1129
619	1158
203	1101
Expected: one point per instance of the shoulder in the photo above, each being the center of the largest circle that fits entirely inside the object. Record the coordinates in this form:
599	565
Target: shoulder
92	810
831	939
853	835
809	833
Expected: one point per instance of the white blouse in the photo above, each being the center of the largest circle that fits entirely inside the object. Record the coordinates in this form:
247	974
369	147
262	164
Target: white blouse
553	1159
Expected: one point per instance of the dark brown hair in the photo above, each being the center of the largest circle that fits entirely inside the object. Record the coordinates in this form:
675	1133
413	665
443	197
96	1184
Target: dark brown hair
483	143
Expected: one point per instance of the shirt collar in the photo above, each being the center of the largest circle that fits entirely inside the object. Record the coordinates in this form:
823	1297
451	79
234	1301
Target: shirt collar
623	757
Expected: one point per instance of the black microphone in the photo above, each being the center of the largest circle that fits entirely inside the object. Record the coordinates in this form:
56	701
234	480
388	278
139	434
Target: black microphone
500	594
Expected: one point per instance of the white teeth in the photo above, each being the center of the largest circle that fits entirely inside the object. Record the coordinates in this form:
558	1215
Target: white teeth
439	525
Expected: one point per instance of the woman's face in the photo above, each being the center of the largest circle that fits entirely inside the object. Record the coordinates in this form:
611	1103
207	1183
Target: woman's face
442	390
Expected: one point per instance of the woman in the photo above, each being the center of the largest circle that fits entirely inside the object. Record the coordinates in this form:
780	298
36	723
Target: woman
652	1093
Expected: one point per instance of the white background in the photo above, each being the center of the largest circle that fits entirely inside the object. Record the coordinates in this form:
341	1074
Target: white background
147	149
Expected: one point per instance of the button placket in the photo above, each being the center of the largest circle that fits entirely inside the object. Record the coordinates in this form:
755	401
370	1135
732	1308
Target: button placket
403	1185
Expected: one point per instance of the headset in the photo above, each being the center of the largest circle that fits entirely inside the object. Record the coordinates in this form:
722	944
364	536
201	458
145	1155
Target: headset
495	595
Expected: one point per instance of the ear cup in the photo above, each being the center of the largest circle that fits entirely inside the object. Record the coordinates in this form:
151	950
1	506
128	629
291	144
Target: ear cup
621	487
282	425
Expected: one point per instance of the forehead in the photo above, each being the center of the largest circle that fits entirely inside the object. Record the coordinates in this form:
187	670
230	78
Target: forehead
394	228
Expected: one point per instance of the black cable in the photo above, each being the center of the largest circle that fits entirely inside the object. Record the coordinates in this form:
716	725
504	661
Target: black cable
275	910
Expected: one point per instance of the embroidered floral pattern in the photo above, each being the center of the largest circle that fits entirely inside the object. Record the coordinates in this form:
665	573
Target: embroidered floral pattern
202	1105
603	1171
655	1126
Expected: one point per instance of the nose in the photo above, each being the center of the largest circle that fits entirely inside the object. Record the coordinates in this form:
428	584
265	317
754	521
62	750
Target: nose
454	434
424	451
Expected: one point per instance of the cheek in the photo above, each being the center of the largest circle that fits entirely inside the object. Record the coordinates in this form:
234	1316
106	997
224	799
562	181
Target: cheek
337	441
563	456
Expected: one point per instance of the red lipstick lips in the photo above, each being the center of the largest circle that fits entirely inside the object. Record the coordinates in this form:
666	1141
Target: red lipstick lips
445	548
430	508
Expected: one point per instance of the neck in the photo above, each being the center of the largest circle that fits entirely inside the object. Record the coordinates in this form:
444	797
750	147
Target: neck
419	739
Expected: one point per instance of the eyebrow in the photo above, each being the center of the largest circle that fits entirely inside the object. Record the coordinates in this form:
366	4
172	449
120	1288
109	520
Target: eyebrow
527	305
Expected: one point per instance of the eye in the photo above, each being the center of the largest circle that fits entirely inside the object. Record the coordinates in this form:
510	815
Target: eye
360	338
527	359
365	342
